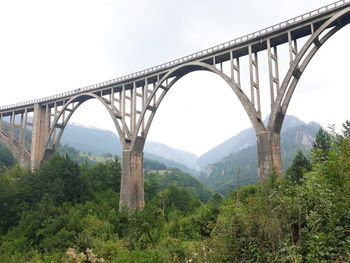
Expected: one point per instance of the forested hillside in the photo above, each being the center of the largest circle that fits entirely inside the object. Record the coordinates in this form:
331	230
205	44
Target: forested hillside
67	212
97	142
240	168
245	139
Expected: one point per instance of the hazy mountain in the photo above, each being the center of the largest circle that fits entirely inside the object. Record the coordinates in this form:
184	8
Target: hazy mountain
242	140
91	140
171	163
166	152
240	167
99	142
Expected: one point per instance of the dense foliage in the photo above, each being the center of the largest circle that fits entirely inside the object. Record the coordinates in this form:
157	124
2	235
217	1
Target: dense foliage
6	158
67	212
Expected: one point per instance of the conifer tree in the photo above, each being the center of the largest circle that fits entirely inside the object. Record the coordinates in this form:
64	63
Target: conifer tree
321	146
346	129
299	166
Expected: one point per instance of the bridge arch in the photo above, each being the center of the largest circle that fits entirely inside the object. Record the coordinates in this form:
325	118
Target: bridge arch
80	99
183	70
298	66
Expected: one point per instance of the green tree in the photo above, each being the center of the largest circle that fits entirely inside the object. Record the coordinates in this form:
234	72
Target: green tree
299	166
346	129
6	158
103	176
178	198
321	146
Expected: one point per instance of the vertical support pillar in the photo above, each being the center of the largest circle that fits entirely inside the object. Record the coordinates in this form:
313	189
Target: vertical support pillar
235	70
293	47
12	128
22	139
273	71
254	80
269	154
132	185
21	128
39	136
133	108
54	135
144	101
122	106
1	123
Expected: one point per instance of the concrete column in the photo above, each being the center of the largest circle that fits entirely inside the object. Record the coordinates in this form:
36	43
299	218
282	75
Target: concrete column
39	136
132	185
24	160
269	154
12	128
1	123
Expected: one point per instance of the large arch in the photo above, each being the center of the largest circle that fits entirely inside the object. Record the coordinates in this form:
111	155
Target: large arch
298	66
182	71
132	191
80	99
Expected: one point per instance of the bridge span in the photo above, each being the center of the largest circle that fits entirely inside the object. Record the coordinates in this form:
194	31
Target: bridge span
133	100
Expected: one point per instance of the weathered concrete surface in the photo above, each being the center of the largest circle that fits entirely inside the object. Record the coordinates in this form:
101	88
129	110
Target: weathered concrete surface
269	154
132	185
39	137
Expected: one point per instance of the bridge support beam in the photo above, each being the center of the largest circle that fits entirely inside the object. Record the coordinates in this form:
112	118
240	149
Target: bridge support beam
132	186
39	136
269	154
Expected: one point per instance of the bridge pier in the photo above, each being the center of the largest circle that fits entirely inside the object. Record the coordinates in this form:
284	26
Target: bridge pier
132	186
39	136
269	154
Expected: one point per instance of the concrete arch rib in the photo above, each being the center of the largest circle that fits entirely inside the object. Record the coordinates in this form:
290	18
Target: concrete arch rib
188	68
299	64
20	153
87	96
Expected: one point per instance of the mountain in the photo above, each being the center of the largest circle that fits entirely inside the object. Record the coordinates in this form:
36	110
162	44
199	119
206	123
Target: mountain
240	167
171	164
91	140
242	140
99	142
166	152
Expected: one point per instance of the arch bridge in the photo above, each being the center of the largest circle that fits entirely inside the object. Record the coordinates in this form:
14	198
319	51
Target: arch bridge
133	100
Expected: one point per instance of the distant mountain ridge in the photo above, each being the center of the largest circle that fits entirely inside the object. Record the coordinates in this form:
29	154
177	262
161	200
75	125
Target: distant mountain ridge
240	167
166	152
242	140
99	142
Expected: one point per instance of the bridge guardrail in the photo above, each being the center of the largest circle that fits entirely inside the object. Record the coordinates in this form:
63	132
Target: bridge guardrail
201	53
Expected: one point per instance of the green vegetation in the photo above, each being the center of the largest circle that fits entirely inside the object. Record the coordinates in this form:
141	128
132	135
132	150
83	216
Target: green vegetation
67	212
6	158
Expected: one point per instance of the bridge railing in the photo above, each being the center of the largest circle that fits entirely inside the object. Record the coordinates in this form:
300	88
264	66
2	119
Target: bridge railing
196	55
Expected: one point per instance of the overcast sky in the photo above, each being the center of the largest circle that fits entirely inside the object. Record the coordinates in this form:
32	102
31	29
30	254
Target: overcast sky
48	47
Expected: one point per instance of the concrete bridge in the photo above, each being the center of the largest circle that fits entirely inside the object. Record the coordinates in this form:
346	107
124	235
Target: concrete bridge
133	100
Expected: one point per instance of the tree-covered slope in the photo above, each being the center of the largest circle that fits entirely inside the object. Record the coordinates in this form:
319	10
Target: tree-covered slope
240	168
98	142
242	140
66	212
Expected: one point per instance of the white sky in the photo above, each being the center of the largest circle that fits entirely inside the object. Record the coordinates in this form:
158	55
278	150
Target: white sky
48	47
